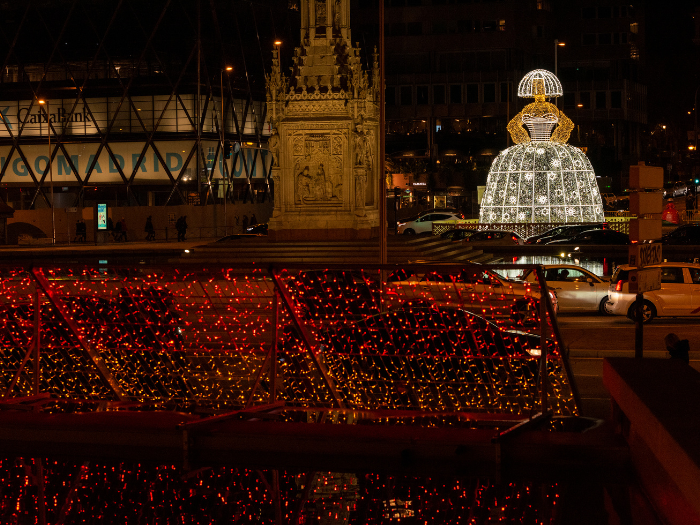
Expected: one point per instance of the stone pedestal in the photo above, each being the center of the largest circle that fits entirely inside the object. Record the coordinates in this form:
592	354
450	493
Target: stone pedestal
325	140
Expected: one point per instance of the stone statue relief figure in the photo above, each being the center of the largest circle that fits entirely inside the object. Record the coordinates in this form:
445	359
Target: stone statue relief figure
273	146
362	147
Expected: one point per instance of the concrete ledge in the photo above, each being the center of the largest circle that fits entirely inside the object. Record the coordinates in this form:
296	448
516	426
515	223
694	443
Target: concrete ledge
659	401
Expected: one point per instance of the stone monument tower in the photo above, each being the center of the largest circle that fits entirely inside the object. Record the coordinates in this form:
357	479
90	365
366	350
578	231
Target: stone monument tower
325	133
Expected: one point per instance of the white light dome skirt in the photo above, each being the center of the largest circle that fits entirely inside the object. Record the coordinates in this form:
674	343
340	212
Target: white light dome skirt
541	181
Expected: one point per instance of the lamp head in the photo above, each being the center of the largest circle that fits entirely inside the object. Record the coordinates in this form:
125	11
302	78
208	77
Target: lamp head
228	68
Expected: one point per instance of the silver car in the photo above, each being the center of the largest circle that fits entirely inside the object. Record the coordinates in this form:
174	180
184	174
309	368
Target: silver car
577	289
679	295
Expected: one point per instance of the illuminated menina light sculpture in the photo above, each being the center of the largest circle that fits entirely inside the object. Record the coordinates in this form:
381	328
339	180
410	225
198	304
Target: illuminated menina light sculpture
541	178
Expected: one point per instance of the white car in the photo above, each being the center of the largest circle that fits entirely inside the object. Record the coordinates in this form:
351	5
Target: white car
679	295
577	289
425	223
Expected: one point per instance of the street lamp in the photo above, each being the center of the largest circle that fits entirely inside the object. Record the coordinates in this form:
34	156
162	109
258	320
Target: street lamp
224	177
557	45
47	110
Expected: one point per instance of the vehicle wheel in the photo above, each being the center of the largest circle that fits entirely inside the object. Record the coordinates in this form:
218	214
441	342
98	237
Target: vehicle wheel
409	231
604	306
648	312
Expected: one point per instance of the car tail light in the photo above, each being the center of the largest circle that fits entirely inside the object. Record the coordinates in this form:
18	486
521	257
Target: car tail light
515	239
618	286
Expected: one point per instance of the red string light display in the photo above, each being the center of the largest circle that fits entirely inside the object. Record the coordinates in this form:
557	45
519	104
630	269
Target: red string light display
445	341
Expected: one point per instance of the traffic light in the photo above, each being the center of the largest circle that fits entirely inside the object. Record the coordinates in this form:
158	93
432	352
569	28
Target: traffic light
227	150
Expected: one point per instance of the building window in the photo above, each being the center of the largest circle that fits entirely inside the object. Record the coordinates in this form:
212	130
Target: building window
542	5
421	94
623	38
584	100
472	93
588	12
505	92
414	28
398	29
489	93
604	39
634	27
600	100
439	28
616	99
390	96
538	31
604	12
438	94
588	39
465	26
501	25
406	96
456	94
569	99
490	25
477	26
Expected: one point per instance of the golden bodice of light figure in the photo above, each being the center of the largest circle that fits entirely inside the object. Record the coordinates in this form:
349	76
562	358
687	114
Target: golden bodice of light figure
540	108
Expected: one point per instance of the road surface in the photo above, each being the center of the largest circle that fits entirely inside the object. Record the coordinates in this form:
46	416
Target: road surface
591	337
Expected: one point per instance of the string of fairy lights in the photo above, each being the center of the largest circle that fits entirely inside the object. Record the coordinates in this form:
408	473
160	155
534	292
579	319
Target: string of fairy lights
198	339
96	493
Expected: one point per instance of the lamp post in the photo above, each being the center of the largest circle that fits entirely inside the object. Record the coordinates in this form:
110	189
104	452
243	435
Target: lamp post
47	110
224	175
557	45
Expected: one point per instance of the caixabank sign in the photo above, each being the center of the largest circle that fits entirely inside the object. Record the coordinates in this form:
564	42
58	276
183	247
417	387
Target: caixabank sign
24	119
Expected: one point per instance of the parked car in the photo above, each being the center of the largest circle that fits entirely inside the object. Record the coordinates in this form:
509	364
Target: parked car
564	232
457	234
424	223
679	295
495	237
480	291
595	237
577	289
686	234
257	229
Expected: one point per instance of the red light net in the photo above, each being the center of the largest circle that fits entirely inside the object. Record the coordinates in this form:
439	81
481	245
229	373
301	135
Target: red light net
446	343
122	493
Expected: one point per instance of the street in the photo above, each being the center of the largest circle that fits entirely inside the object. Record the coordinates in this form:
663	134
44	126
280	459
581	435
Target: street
591	337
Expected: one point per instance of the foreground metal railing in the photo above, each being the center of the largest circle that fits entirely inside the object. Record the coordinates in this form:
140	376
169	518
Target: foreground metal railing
403	341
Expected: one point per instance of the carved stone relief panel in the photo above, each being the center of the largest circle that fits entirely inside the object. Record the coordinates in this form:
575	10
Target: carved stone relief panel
318	173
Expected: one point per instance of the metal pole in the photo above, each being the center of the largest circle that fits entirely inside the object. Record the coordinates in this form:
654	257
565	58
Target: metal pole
639	327
48	133
223	158
37	339
544	293
382	184
273	350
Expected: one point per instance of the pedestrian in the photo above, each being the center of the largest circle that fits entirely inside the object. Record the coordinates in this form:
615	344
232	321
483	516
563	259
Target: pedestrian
150	231
677	348
181	227
123	229
245	223
253	220
80	231
178	228
117	231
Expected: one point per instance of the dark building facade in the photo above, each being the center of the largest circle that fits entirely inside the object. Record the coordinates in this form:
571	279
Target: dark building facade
453	69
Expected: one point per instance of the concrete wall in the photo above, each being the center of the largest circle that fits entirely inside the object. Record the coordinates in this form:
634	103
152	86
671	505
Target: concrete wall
202	221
